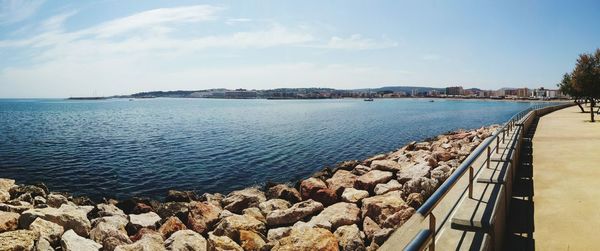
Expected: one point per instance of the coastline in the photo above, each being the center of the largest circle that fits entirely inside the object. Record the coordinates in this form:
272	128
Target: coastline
354	206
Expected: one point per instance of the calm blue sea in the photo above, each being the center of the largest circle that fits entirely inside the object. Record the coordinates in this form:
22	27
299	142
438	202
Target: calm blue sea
119	148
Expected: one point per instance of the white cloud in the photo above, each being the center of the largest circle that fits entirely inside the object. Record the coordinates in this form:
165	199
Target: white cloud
431	57
233	21
358	42
13	11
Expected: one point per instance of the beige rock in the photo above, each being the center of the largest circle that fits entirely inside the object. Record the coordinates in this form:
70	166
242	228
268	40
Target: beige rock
146	220
307	238
67	216
18	240
230	226
392	185
441	173
398	219
16	207
341	179
370	227
148	242
202	216
6	184
186	240
109	236
380	207
350	238
222	243
251	241
422	185
170	226
360	170
310	186
273	204
337	215
293	214
369	180
8	221
56	200
255	213
275	234
413	172
109	210
237	201
386	165
70	241
368	161
382	235
284	192
118	222
354	195
47	230
43	245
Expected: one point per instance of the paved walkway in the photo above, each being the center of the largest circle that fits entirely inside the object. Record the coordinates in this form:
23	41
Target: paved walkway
566	172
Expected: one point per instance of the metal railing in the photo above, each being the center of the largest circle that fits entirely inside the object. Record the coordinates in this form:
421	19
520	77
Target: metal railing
426	210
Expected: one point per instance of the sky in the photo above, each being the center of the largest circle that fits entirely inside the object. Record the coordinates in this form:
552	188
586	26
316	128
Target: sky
54	49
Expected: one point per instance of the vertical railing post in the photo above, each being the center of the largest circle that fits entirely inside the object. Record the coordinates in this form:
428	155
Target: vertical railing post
470	182
497	144
489	154
432	229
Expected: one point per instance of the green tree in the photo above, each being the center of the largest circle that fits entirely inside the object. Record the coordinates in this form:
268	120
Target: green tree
585	78
566	87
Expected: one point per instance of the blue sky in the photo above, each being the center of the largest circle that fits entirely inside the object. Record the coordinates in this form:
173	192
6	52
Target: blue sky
83	48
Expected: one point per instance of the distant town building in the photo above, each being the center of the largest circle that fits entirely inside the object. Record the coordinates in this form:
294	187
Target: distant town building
455	91
523	93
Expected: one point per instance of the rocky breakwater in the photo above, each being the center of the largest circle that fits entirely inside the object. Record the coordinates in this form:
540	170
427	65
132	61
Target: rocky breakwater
354	206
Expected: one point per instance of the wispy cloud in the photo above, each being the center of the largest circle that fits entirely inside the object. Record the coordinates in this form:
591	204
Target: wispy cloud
232	21
431	57
358	42
13	11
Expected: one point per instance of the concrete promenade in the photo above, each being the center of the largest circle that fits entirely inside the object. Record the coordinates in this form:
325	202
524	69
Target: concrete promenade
566	173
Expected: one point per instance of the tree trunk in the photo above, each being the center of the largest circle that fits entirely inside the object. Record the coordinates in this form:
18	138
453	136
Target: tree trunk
592	102
579	104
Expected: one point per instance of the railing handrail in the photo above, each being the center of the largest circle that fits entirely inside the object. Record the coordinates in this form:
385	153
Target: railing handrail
429	205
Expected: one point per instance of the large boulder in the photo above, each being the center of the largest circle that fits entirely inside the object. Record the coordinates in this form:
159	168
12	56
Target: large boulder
424	186
255	213
341	179
307	238
109	236
70	241
273	204
47	230
369	180
237	201
350	238
148	242
368	161
147	220
251	241
222	243
109	210
326	196
284	192
118	222
168	209
310	186
32	190
215	199
370	227
170	226
18	240
386	165
413	172
275	234
202	216
67	216
441	173
15	206
347	165
180	196
398	218
354	195
6	184
392	185
337	215
56	200
186	240
232	225
8	221
380	207
415	200
293	214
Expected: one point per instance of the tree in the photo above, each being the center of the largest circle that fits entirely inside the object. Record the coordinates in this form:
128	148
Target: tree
585	79
566	87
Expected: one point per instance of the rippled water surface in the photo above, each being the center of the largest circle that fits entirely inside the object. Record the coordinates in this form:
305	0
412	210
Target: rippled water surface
145	147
